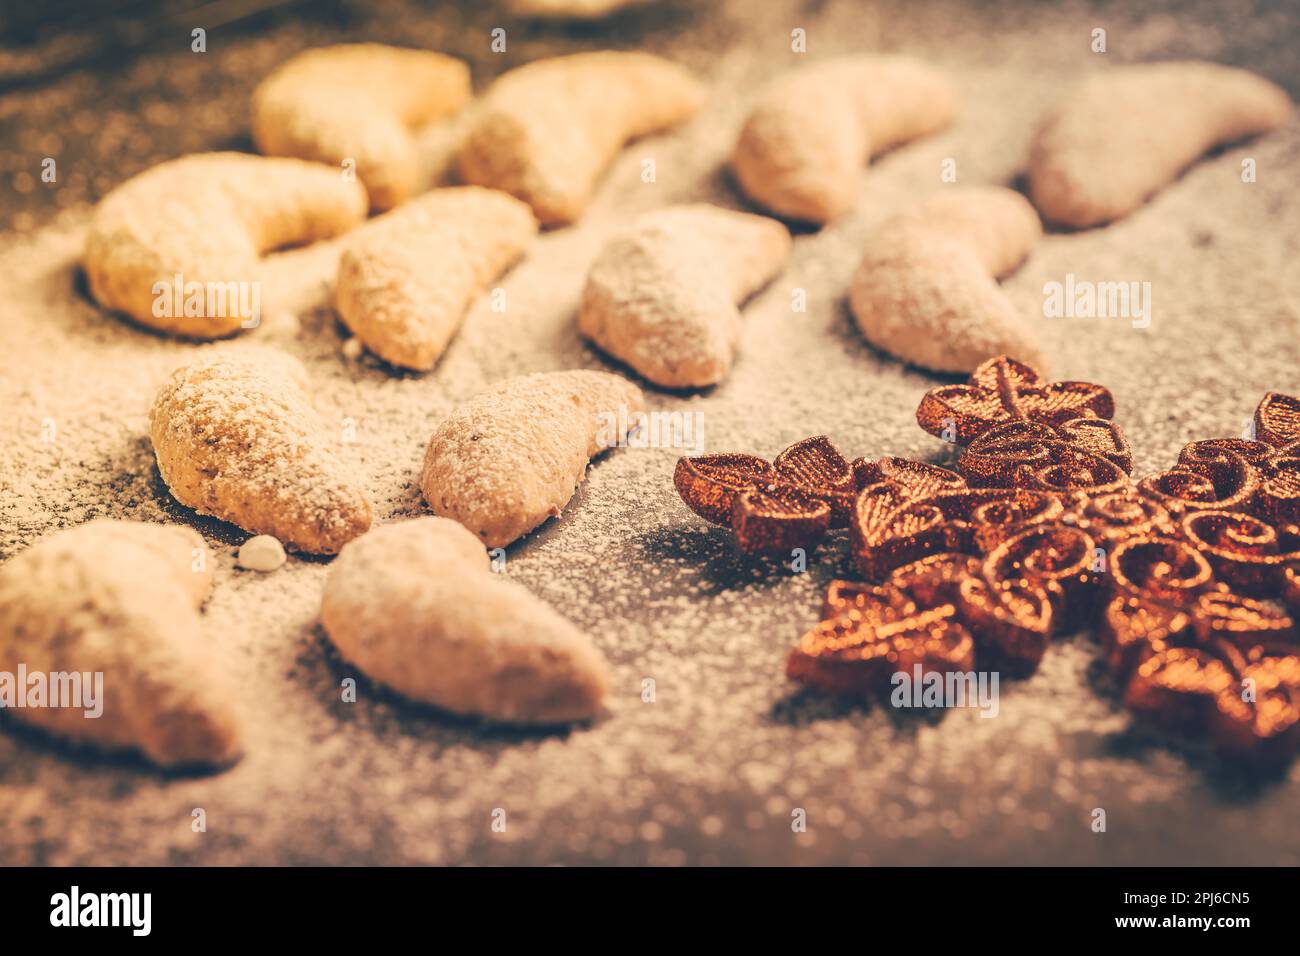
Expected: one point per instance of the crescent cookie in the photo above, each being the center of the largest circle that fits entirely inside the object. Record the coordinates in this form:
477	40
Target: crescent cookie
545	132
511	457
927	289
237	438
1124	134
663	295
407	278
415	606
114	605
359	103
802	149
176	248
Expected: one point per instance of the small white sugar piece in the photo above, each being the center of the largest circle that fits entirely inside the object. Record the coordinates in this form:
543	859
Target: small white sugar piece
261	553
352	349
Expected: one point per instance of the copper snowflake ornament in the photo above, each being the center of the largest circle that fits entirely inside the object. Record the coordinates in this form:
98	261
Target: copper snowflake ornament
1191	577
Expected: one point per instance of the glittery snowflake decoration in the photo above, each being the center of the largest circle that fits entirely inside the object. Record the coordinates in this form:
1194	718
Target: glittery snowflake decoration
1191	577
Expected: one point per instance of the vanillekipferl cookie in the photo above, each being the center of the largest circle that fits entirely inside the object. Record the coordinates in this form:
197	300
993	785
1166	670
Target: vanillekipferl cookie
415	605
177	247
407	278
356	106
108	612
511	457
545	132
927	291
236	437
662	295
1124	134
801	151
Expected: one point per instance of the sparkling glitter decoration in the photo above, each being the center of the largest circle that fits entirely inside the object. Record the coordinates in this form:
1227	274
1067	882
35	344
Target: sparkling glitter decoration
788	503
1191	577
1003	390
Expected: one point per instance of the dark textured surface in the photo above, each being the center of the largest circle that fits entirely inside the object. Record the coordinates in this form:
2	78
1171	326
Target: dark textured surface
711	771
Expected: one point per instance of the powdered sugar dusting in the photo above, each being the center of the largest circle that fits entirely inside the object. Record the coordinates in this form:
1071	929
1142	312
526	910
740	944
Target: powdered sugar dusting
711	769
236	438
506	460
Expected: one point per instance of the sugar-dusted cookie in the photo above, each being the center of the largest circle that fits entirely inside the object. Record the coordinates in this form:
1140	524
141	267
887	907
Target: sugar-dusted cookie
359	103
177	247
1125	133
237	438
927	288
662	296
546	131
415	606
103	620
407	278
802	149
510	457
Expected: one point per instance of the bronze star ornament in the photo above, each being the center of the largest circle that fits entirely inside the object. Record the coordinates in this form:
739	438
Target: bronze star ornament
1191	577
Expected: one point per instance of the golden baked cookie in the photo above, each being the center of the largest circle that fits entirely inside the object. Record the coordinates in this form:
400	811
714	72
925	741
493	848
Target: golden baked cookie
545	132
927	288
414	605
177	247
359	103
237	438
511	457
662	296
107	613
802	149
1123	135
407	278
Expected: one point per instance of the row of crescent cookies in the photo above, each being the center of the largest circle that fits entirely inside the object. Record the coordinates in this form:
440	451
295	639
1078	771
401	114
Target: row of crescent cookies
412	603
536	144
